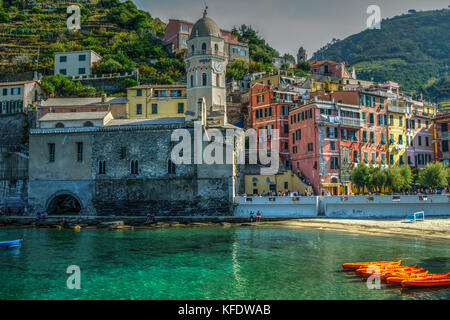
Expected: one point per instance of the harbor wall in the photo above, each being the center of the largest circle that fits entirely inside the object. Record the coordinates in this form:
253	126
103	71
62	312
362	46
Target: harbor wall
277	206
344	207
385	206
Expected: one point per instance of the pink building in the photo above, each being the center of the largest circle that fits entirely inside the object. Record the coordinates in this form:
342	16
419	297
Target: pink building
324	144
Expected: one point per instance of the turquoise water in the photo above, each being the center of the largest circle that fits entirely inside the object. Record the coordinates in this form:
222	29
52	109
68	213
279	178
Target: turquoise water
207	263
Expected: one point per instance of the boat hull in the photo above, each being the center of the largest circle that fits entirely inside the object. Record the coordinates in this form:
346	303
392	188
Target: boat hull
10	244
426	283
358	265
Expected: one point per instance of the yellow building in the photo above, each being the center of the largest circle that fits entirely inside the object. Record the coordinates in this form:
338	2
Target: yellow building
157	101
261	184
331	84
397	131
277	80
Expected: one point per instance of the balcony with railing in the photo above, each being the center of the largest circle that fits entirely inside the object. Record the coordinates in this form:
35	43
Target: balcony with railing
351	122
206	52
397	109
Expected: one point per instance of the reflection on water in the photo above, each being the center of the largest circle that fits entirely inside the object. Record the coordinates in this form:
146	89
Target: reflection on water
208	263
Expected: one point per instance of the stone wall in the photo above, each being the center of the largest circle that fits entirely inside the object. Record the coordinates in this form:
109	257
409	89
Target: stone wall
14	130
190	190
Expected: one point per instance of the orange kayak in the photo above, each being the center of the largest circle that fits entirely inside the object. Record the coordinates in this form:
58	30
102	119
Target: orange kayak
418	277
387	268
411	273
426	283
357	265
387	272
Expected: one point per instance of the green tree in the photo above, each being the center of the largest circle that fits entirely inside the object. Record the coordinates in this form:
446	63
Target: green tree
106	66
305	66
285	66
407	175
237	70
60	85
359	176
378	178
434	176
126	83
4	17
399	178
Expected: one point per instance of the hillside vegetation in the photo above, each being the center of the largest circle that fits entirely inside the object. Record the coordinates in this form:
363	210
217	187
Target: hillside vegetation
123	35
412	49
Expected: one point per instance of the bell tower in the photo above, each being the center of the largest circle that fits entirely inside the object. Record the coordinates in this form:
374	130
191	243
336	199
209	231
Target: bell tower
205	68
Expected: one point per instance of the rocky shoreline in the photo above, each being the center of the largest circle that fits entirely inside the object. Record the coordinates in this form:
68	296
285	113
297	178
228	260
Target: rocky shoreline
116	223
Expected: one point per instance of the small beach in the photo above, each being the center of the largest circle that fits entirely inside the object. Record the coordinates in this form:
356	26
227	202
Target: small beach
431	228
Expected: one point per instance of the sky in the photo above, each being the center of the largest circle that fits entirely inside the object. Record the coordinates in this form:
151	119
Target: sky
288	24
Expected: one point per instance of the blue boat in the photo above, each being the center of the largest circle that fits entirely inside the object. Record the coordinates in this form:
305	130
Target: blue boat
10	244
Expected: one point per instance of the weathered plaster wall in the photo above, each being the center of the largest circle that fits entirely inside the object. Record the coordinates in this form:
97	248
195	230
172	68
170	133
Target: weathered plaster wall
385	206
277	206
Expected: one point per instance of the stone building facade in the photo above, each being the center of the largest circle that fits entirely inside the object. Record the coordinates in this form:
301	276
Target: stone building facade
124	170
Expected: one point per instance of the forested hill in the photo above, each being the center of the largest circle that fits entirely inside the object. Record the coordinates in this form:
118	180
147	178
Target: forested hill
412	49
125	36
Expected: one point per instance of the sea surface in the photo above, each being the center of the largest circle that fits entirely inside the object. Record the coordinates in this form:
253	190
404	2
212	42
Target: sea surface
257	262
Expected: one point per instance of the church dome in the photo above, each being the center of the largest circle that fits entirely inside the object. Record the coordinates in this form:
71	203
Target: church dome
205	27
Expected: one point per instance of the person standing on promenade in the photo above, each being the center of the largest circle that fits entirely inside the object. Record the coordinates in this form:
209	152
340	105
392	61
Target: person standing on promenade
251	216
258	216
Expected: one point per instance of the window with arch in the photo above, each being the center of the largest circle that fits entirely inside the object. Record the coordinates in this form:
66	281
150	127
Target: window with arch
217	80
192	49
192	81
88	124
59	125
134	167
216	48
204	47
171	167
204	80
102	167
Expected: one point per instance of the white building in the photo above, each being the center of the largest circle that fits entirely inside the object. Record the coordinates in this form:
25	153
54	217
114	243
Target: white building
16	96
279	61
75	120
75	63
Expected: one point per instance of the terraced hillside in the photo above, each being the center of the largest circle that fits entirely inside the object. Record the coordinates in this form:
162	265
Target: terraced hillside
32	31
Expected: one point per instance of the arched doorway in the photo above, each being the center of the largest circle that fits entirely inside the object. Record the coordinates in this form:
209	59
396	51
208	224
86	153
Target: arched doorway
64	204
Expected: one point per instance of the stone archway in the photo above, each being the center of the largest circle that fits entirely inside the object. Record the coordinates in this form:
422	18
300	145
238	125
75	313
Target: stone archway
64	203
